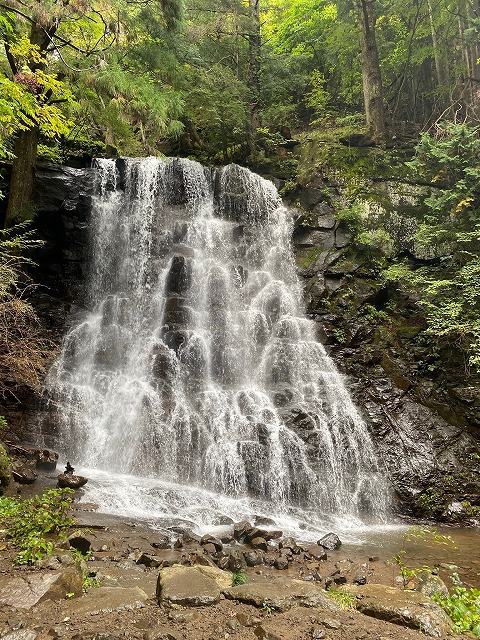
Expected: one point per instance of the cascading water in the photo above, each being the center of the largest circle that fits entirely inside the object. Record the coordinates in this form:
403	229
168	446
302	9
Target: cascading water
195	364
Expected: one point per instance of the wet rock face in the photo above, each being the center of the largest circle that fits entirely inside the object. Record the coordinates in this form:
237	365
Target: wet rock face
425	425
62	199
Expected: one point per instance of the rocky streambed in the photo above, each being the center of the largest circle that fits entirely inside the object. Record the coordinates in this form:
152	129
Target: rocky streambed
246	582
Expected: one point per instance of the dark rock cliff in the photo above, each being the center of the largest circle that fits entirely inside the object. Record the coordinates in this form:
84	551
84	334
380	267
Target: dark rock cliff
423	409
426	427
62	203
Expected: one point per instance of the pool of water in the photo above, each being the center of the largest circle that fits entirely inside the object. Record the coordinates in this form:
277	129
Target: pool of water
168	505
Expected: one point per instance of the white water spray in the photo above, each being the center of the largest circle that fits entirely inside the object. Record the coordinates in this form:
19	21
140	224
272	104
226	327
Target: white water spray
195	364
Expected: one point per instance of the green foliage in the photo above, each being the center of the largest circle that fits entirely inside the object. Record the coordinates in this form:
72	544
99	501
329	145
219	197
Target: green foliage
449	234
217	104
344	599
5	465
239	577
14	242
352	218
20	106
318	98
33	525
24	348
372	315
90	582
266	608
375	241
105	72
463	606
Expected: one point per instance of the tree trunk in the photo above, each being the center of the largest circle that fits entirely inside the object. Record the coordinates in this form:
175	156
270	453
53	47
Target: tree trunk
371	75
26	146
440	63
23	175
254	49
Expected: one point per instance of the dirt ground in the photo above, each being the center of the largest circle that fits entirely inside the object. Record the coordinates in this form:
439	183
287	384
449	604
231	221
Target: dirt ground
114	542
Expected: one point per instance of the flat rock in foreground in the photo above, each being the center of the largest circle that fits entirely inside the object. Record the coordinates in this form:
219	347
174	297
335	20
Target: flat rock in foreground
108	599
282	595
26	592
191	586
406	608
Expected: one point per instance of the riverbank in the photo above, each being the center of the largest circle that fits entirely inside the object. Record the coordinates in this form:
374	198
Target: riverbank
126	558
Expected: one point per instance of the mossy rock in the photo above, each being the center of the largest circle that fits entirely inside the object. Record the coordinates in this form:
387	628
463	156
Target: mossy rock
5	470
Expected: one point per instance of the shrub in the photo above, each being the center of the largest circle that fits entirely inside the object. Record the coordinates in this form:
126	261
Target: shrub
33	525
239	577
463	606
344	599
5	469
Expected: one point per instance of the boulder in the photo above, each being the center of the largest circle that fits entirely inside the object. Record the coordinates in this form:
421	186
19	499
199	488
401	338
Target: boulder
259	543
211	540
255	532
282	595
109	574
330	541
59	186
289	544
316	552
240	530
406	608
281	563
267	632
68	480
163	542
311	237
26	592
149	560
342	238
23	474
309	197
431	584
108	599
253	558
47	459
223	579
236	561
209	549
325	216
191	586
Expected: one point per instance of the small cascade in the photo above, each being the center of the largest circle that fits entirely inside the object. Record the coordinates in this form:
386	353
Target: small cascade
195	364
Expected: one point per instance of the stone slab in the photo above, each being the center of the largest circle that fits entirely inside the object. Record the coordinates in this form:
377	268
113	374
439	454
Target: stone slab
108	599
406	608
26	592
187	586
282	595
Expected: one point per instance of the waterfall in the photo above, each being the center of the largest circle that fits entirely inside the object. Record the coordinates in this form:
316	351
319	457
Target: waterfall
195	364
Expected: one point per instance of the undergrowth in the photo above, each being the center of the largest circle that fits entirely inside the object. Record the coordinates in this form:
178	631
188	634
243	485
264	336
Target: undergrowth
462	605
239	577
34	525
344	599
